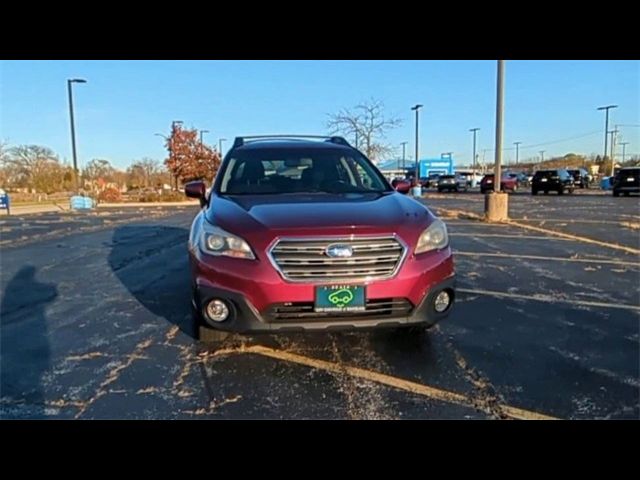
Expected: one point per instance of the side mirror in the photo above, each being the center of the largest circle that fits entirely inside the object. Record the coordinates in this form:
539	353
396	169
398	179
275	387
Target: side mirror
197	190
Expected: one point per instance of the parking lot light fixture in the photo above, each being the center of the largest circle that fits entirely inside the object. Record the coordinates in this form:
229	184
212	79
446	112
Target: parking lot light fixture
499	125
404	145
473	179
73	129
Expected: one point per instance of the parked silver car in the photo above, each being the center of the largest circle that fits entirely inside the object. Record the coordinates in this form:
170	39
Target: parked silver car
455	183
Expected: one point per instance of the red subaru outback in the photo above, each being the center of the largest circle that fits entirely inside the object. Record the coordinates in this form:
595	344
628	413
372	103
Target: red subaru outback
304	233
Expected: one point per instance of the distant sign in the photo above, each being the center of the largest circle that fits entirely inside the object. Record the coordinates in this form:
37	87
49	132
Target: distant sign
436	165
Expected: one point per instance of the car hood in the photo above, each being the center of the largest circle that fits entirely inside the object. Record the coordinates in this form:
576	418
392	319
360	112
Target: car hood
314	213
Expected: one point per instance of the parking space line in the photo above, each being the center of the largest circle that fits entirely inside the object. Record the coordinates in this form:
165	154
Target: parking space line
384	379
506	235
614	246
474	216
548	299
553	259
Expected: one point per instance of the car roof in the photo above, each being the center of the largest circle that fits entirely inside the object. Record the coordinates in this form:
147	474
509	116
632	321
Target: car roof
268	144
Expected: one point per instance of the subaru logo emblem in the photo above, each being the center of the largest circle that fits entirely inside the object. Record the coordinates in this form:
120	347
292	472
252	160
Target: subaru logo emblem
339	250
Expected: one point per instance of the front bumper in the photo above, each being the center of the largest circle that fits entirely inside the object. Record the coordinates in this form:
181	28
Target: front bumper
627	188
246	318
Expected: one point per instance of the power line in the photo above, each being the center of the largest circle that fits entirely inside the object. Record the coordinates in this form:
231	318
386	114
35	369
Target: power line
525	147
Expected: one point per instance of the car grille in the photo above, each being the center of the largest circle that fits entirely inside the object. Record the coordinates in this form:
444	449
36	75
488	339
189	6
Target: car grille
305	260
303	311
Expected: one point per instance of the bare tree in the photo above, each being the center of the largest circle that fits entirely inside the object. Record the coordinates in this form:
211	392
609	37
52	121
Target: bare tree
98	168
144	172
36	167
367	124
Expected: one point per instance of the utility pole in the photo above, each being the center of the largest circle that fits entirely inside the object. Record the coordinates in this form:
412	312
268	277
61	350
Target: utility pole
220	145
517	144
404	145
542	156
606	132
417	108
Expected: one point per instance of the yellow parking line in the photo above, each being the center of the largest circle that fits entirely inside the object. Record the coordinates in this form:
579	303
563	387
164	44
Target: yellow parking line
506	235
615	246
406	385
558	259
548	299
474	216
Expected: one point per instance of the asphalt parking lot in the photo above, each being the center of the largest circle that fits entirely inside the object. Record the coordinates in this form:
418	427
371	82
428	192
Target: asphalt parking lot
95	324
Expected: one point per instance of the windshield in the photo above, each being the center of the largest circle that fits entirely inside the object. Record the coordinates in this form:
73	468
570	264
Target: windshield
303	170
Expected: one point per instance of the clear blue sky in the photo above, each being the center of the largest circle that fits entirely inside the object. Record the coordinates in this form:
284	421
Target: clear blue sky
125	102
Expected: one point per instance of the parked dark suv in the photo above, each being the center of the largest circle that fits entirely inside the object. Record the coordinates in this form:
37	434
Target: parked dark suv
626	181
580	177
304	233
558	180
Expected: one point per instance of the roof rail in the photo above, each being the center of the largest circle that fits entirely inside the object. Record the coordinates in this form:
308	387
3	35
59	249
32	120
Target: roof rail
239	141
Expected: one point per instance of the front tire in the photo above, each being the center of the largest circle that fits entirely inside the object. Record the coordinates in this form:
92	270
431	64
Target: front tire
616	193
534	192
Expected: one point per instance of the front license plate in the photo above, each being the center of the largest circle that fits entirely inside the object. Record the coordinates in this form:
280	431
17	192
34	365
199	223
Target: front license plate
543	179
630	179
340	298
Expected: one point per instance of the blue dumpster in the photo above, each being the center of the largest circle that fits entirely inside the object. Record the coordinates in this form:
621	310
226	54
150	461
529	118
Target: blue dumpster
81	203
605	183
5	202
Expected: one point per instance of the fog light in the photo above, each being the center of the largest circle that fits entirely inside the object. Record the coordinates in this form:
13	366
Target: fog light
442	301
217	310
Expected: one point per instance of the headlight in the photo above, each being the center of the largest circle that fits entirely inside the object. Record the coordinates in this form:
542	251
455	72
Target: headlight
215	241
435	237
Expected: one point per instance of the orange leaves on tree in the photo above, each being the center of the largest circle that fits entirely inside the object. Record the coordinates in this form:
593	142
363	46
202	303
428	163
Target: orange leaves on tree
188	158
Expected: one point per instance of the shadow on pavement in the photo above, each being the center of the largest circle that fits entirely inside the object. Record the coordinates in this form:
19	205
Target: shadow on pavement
151	261
24	344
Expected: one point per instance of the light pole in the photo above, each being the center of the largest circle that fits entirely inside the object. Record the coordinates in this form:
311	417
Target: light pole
614	137
496	204
499	126
606	131
404	157
220	145
624	144
517	144
473	177
201	133
73	129
417	108
174	125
